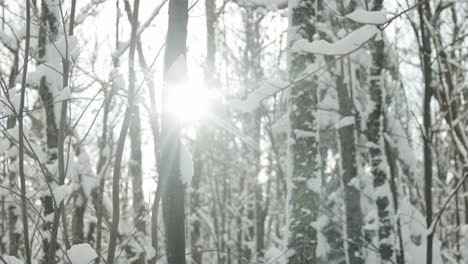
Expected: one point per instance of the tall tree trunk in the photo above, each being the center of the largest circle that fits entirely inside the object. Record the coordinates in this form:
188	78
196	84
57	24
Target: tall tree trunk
154	121
260	217
304	183
47	31
392	164
426	50
172	197
101	169
465	199
239	224
24	212
62	131
122	137
196	245
80	199
352	197
136	175
195	199
379	168
210	9
13	234
103	144
333	231
252	77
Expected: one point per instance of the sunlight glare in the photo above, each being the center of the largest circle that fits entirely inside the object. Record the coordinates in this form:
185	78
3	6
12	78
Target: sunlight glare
189	102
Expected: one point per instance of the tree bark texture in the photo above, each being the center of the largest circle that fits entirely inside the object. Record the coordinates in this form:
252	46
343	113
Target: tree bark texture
173	189
303	150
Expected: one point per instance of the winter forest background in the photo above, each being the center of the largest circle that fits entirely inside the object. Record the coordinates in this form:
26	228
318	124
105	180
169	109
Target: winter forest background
234	131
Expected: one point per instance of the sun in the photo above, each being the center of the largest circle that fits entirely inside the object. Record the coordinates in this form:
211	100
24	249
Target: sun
189	102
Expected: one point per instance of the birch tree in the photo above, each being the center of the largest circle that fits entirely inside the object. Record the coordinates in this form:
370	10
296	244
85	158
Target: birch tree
303	156
379	167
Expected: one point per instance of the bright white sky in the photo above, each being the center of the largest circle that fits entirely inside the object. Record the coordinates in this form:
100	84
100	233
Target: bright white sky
191	103
99	43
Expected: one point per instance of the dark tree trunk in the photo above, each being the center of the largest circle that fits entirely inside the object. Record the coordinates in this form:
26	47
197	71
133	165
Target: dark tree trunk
79	202
352	195
101	169
424	13
239	225
392	164
173	189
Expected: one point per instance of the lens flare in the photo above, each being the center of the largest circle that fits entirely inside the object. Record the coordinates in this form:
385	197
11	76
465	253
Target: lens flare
189	102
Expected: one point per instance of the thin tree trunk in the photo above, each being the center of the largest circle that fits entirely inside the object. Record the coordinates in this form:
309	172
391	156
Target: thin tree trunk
457	223
239	224
210	9
154	121
304	183
48	30
122	138
62	129
136	175
465	199
104	157
104	149
14	235
392	164
135	163
252	77
261	213
80	200
24	212
196	246
79	203
424	12
195	200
